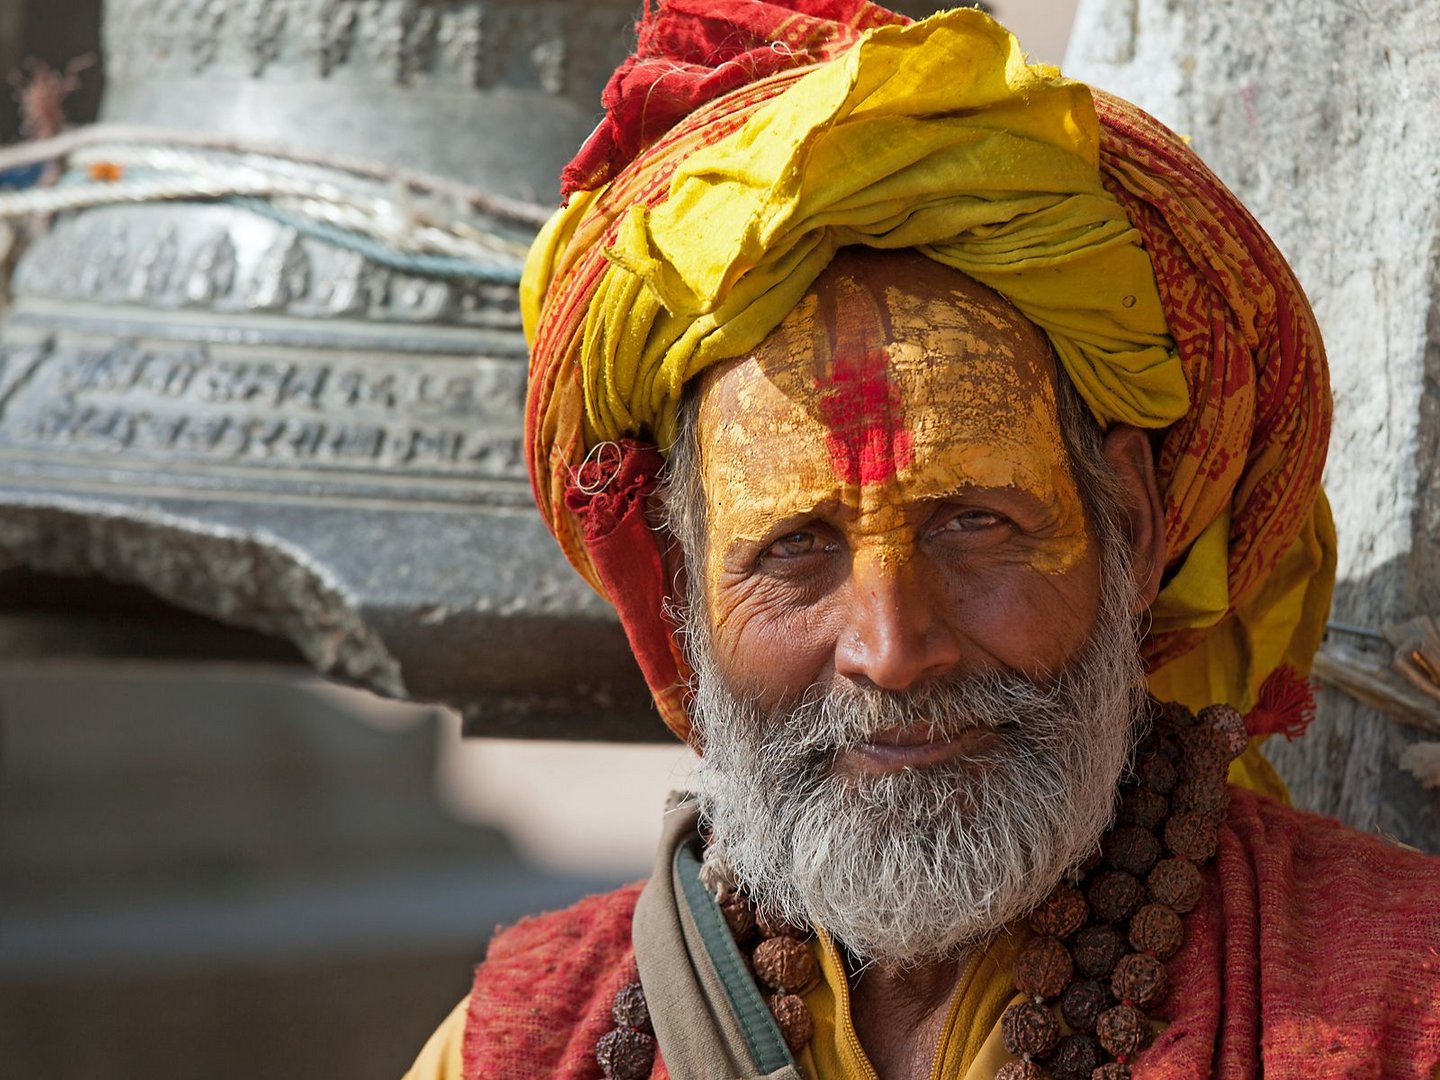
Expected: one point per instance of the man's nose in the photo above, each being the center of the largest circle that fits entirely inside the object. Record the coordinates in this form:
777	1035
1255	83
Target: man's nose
895	633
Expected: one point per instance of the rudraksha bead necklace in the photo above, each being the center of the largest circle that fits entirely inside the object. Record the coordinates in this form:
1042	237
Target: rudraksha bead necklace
1097	961
1102	937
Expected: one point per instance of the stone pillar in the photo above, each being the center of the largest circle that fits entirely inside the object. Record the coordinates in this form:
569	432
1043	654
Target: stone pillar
1324	119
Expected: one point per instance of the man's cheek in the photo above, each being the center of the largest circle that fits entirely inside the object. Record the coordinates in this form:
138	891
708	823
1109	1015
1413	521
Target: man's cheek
770	650
1022	620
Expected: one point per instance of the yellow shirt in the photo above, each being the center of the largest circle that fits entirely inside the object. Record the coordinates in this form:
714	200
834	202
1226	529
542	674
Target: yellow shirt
970	1045
440	1059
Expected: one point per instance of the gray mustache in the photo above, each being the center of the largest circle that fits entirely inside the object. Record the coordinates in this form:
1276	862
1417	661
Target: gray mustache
845	715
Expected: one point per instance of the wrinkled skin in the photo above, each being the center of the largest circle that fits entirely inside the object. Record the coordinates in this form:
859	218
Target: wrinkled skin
889	501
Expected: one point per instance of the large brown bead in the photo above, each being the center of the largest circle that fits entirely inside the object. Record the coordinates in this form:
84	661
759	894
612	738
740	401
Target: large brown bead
1143	807
1097	950
1229	724
785	965
1031	1029
1198	734
739	917
1022	1070
1132	849
1157	929
1082	1002
1207	756
625	1054
1174	715
1061	914
1076	1057
1204	796
792	1017
1159	741
1157	773
1176	882
772	926
1122	1030
1043	968
1139	979
1114	895
1191	836
1112	1070
630	1008
1208	760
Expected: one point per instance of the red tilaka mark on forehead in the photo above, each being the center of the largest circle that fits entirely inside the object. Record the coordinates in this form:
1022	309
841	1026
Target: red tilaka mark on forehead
862	409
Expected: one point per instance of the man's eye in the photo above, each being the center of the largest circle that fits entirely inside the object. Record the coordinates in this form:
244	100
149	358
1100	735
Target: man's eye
971	521
794	546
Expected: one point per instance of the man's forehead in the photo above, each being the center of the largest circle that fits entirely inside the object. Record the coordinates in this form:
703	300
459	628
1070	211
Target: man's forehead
885	348
869	299
895	385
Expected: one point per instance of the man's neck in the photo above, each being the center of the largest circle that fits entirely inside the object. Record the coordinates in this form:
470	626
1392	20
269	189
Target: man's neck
899	1015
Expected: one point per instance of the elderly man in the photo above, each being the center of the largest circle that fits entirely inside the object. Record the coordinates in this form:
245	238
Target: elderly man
986	495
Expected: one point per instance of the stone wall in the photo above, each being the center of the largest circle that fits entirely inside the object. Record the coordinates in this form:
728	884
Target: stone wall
1323	117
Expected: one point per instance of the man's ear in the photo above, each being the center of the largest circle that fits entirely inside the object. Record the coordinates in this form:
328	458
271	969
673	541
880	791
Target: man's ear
1131	459
671	557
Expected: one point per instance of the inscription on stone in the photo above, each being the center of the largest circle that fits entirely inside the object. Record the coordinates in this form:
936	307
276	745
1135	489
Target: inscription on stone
450	417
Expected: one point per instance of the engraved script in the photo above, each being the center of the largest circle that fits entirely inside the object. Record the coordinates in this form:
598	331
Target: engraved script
451	417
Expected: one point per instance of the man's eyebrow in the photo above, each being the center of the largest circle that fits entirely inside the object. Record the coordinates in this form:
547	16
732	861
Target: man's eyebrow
1007	491
782	523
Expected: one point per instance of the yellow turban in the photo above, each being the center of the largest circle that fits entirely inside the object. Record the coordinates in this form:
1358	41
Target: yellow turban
1167	306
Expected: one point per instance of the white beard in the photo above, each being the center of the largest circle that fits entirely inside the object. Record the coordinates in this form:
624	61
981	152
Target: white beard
915	866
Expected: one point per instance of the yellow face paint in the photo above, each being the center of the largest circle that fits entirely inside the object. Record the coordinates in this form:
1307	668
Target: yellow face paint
869	405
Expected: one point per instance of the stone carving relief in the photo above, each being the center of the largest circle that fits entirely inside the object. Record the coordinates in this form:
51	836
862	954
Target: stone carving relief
211	273
204	34
283	275
153	270
194	262
265	23
472	43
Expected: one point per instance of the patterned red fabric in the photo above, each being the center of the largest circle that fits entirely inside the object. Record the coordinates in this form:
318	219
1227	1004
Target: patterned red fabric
1315	952
609	494
542	998
693	51
1258	428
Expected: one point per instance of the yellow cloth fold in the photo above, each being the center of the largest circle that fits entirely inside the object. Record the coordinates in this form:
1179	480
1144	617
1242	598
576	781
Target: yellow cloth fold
937	136
442	1057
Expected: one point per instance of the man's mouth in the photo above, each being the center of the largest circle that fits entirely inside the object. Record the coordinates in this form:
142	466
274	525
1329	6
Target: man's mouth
911	746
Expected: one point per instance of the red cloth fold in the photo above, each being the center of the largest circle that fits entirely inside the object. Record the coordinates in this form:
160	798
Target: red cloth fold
693	51
609	494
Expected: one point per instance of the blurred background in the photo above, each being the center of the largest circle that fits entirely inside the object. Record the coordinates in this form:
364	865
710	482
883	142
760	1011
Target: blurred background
214	862
298	700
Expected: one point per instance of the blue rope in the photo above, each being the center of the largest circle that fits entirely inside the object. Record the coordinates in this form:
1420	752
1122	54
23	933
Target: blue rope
500	272
22	176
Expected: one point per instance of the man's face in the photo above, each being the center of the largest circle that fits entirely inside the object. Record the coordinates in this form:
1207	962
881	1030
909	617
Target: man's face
913	679
888	495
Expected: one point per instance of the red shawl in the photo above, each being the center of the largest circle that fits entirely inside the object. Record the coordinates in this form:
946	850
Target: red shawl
1315	952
